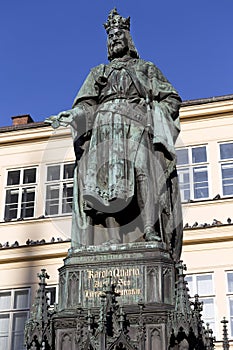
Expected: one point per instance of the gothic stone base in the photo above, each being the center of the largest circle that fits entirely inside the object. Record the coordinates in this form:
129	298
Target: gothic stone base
70	331
141	271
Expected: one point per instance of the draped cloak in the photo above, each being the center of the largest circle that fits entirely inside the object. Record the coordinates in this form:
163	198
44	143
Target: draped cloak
131	120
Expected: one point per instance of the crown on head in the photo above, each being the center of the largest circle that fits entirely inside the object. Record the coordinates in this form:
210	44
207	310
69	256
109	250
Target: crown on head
116	21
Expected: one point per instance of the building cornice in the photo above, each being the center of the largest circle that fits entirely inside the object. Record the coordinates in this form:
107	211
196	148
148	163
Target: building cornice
211	234
34	252
27	135
22	127
207	108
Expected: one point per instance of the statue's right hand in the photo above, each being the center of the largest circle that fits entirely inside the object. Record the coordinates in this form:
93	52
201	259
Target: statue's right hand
65	118
62	119
53	120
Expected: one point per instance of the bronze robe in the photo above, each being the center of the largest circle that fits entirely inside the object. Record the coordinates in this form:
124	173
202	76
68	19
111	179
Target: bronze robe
131	125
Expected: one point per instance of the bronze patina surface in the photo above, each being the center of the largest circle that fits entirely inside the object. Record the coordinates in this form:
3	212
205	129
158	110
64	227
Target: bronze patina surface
125	121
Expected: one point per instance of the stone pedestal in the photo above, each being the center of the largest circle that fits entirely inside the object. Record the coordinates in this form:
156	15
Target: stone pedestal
144	276
141	271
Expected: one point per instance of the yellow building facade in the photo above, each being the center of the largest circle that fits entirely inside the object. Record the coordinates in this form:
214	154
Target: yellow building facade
36	164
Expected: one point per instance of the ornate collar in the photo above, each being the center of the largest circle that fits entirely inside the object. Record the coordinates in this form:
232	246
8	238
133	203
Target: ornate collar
121	62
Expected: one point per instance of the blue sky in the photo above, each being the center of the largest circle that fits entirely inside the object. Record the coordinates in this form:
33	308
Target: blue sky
49	46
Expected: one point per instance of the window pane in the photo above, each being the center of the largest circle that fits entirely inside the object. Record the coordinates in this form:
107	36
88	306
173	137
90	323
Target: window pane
184	183
199	154
51	294
227	179
3	339
182	156
67	198
12	197
52	208
200	178
21	299
230	283
4	331
53	173
52	192
200	174
208	312
5	301
28	202
226	151
19	320
29	176
208	308
204	285
13	177
231	306
52	200
68	172
231	314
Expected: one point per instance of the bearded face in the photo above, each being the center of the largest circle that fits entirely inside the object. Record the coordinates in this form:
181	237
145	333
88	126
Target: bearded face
117	43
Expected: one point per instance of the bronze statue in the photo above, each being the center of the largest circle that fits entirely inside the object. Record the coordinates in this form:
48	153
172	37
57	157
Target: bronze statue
125	121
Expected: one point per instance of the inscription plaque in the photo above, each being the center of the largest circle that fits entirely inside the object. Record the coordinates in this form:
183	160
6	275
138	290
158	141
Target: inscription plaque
128	280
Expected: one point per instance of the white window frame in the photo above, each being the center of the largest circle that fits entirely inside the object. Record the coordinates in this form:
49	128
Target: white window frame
20	188
229	299
203	297
59	183
222	162
12	312
189	168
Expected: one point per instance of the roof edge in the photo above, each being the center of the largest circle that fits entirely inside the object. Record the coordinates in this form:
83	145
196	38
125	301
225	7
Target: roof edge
23	126
206	100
